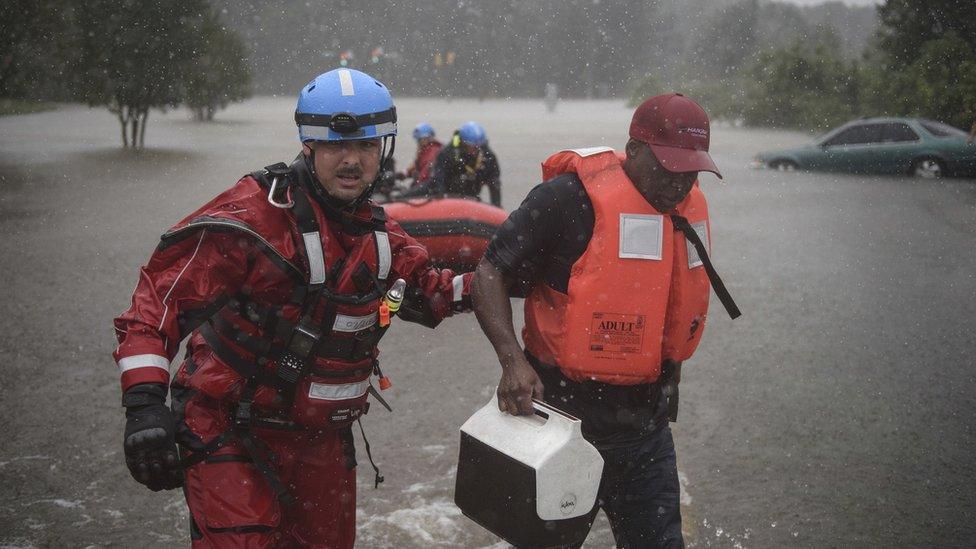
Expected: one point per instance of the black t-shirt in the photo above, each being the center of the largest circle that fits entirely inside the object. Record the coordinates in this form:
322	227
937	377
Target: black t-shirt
538	244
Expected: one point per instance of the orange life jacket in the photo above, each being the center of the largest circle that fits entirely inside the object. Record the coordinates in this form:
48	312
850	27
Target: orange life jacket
637	296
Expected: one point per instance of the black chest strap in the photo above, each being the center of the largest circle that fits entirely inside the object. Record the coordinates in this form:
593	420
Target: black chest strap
723	294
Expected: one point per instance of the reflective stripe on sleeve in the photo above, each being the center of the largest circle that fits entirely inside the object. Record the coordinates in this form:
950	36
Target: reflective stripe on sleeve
143	361
316	263
325	391
383	254
458	284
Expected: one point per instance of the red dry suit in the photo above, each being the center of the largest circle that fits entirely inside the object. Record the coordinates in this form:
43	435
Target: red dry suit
281	306
422	164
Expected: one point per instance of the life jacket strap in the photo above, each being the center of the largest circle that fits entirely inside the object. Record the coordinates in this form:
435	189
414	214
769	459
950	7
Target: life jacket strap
723	294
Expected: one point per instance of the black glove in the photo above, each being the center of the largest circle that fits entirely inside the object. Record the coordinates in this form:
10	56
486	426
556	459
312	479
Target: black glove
420	310
150	438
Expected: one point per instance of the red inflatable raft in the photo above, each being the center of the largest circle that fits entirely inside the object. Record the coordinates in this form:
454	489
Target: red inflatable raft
455	231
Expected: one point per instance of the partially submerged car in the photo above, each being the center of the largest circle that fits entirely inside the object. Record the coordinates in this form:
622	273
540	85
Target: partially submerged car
914	146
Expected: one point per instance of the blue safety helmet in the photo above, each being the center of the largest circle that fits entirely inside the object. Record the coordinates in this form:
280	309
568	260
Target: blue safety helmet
423	130
345	104
472	133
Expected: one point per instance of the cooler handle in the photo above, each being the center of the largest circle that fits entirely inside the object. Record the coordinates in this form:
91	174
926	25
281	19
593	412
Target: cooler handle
551	413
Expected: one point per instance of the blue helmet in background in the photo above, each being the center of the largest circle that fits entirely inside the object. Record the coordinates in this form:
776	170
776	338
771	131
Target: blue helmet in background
345	104
473	133
423	130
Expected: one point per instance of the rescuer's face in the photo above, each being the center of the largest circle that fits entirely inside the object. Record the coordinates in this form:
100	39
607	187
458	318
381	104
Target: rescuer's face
346	168
663	189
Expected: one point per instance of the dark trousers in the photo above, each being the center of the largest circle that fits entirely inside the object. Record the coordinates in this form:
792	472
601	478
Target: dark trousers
640	494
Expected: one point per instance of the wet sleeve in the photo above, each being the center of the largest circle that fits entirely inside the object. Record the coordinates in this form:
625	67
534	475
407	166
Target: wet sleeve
438	172
524	239
493	179
181	285
433	294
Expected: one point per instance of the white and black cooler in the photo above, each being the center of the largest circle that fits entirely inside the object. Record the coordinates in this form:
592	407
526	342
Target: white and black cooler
531	480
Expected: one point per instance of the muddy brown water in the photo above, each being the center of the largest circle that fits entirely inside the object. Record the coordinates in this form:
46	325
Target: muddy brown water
838	411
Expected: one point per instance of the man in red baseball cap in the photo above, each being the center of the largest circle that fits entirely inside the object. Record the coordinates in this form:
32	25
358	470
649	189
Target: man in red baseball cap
612	254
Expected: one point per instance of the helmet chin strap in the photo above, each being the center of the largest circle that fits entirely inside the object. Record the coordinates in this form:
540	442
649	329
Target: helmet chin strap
385	158
351	206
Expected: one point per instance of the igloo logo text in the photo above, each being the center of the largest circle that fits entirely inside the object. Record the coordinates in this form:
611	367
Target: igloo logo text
567	504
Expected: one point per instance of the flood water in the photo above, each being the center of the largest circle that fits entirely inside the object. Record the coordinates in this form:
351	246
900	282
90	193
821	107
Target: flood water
839	410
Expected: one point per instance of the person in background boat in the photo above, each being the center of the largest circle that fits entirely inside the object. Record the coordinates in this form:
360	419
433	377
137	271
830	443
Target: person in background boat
428	148
463	167
611	253
282	285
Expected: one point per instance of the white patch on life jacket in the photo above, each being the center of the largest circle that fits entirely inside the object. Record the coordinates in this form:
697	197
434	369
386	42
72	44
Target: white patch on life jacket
702	229
346	323
589	151
345	82
641	236
345	391
383	254
316	263
143	361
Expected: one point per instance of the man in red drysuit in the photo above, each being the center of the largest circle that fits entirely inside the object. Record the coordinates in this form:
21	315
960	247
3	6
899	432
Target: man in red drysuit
283	285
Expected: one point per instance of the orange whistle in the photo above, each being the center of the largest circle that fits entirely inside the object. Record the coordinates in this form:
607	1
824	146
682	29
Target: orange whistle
384	315
385	383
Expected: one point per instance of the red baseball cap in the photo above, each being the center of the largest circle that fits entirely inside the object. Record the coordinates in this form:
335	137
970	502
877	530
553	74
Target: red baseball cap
676	128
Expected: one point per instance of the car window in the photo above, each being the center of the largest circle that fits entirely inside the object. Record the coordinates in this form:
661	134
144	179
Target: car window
897	132
938	129
857	135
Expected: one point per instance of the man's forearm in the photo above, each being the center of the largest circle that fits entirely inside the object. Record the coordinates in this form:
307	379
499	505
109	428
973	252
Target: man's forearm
493	308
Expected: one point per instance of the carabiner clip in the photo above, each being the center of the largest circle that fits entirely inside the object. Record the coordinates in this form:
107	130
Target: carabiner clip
271	199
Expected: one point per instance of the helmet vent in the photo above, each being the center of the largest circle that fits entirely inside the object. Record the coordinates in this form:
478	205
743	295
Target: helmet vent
310	88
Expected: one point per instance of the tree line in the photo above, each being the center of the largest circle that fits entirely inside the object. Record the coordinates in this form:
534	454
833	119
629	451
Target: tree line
758	61
126	55
919	61
514	48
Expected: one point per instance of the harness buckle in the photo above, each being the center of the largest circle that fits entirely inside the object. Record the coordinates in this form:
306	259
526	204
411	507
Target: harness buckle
271	196
242	416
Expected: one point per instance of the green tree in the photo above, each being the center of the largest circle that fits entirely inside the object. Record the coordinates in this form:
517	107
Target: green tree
649	86
35	49
804	86
939	84
906	25
923	61
725	52
133	56
220	74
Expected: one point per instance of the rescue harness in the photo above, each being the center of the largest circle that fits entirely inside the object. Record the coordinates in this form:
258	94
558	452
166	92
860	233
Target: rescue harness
294	347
